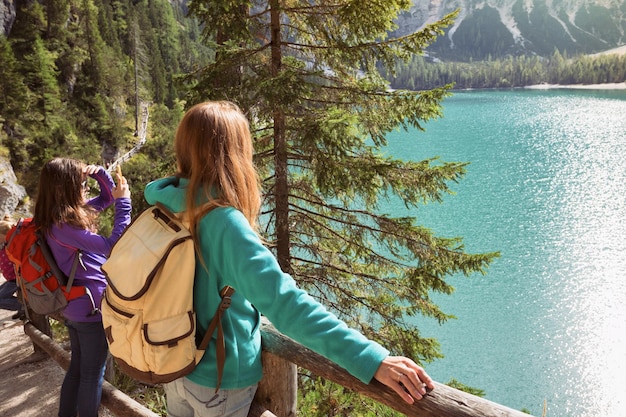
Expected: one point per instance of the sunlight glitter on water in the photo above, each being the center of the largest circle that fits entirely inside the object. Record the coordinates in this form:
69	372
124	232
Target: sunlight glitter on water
587	200
593	212
547	187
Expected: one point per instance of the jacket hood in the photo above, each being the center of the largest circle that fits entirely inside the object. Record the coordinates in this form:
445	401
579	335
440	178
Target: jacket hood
169	191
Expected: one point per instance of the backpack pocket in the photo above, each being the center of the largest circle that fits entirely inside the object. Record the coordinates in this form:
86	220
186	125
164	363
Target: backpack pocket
123	333
170	344
44	301
156	352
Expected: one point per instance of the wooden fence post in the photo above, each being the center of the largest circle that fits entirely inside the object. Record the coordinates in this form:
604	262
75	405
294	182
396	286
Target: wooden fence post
278	390
42	324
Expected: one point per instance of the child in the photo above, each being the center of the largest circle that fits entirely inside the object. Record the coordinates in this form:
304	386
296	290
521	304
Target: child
68	219
8	300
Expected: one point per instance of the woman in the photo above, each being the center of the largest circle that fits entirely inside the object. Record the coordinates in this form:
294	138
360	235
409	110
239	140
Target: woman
217	186
68	219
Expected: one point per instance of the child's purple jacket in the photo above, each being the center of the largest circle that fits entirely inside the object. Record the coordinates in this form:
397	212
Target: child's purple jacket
65	240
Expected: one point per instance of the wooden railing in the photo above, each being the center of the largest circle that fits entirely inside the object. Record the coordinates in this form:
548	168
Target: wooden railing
278	389
443	401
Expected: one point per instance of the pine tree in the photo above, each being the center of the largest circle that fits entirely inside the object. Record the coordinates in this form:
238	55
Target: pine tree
13	91
306	73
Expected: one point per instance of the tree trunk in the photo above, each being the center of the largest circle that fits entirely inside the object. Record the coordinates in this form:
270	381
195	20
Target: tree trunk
281	187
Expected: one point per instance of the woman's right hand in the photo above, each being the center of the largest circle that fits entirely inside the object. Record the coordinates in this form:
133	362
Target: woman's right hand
121	190
409	380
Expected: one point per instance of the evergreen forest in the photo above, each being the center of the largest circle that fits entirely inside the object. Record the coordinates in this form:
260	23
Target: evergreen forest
422	73
73	75
315	79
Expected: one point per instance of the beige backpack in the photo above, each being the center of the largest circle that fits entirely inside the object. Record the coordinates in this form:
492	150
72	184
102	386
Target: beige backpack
147	310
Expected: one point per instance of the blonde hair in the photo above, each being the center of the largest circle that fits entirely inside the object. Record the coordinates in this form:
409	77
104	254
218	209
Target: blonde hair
214	152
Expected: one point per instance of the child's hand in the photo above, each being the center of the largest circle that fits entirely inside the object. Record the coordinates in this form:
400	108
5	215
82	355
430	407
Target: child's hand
121	190
90	169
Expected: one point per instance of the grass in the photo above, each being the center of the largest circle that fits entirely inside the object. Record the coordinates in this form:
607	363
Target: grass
150	396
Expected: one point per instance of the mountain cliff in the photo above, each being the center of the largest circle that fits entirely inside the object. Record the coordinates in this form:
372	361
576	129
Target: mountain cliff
7	16
497	28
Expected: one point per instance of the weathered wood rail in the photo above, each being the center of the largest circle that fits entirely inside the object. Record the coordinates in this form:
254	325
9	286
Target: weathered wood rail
278	389
443	401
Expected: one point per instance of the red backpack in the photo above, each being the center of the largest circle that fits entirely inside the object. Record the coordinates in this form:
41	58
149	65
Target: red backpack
45	288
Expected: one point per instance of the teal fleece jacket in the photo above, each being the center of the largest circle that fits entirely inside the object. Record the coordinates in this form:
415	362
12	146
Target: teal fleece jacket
235	256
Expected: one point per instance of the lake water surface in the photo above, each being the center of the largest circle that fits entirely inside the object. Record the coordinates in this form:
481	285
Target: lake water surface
546	187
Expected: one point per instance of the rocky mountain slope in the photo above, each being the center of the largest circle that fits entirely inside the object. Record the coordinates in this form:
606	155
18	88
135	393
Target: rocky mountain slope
13	199
7	16
496	28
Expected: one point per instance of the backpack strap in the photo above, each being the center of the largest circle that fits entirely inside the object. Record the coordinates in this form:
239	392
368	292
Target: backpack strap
16	230
94	310
70	279
216	322
66	281
47	254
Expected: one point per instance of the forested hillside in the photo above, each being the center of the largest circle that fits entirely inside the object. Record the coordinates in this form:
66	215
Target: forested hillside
422	73
71	86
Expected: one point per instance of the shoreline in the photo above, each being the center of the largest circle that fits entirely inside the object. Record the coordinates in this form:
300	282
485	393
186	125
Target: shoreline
606	86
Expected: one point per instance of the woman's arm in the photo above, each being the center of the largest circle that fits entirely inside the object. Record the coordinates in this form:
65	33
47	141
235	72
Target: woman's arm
241	259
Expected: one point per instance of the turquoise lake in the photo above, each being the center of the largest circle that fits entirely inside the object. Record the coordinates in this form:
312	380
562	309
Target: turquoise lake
547	188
